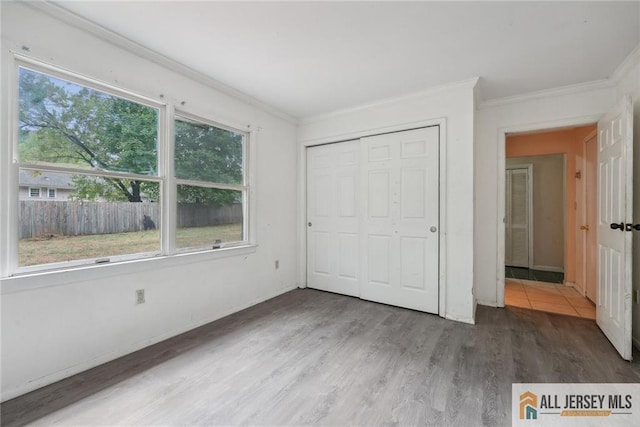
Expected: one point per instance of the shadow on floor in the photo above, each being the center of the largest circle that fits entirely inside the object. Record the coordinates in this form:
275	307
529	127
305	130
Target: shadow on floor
536	275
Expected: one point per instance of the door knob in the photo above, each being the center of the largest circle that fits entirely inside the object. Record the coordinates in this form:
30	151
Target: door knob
584	227
434	229
309	224
615	226
631	227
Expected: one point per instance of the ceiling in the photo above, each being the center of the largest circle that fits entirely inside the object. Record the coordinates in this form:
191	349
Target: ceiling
308	58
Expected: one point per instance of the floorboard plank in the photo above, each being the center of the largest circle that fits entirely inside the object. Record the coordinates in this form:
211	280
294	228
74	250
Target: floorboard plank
315	358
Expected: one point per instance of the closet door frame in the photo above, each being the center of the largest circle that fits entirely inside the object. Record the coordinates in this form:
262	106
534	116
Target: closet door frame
529	168
442	160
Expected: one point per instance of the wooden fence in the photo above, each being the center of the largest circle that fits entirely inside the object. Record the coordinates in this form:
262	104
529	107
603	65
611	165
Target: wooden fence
190	215
74	218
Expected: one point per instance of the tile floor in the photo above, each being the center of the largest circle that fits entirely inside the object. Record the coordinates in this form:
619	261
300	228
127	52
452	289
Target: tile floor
547	297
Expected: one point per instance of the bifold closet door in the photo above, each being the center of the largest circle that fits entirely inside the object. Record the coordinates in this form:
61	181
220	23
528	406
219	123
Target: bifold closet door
333	196
399	232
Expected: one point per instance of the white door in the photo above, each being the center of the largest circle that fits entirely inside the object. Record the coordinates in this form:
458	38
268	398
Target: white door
400	229
591	215
518	208
332	215
615	170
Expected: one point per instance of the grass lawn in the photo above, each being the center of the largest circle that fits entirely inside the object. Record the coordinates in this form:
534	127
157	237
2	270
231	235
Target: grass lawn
68	248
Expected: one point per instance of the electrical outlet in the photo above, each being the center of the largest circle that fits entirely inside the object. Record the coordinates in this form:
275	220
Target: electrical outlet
277	264
140	296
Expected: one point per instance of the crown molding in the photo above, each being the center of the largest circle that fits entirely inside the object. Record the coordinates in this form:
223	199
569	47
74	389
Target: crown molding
462	84
629	62
62	14
59	12
625	66
548	93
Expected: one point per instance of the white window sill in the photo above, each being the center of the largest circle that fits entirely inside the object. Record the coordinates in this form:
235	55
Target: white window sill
87	272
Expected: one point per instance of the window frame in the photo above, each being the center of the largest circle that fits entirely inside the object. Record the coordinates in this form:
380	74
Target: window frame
32	191
165	177
83	81
52	193
244	188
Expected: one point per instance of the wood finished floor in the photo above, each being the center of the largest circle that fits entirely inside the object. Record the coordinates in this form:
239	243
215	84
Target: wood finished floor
315	358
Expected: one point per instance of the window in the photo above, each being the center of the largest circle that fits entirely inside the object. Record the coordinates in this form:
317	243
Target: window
99	152
210	173
103	147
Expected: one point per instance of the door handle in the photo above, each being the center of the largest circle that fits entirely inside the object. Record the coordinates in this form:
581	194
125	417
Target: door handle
584	227
615	226
632	227
309	224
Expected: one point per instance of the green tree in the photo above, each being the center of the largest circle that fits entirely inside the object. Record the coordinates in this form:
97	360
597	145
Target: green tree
92	188
209	154
75	126
64	123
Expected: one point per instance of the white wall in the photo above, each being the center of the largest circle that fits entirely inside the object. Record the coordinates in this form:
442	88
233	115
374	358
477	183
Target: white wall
59	323
455	105
583	106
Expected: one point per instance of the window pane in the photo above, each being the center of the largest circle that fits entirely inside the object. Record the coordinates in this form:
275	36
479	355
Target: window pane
74	126
91	217
208	217
207	153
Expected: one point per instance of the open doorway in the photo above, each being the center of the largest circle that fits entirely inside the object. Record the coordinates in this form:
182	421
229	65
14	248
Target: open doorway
544	243
614	222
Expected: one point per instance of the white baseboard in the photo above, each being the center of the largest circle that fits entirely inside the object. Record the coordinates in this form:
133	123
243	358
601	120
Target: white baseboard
84	366
488	303
463	319
578	289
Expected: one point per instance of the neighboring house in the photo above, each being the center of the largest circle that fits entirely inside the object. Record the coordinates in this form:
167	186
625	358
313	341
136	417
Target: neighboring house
36	185
44	186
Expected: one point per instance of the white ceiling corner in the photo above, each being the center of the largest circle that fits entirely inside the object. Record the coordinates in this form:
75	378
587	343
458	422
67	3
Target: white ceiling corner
310	58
